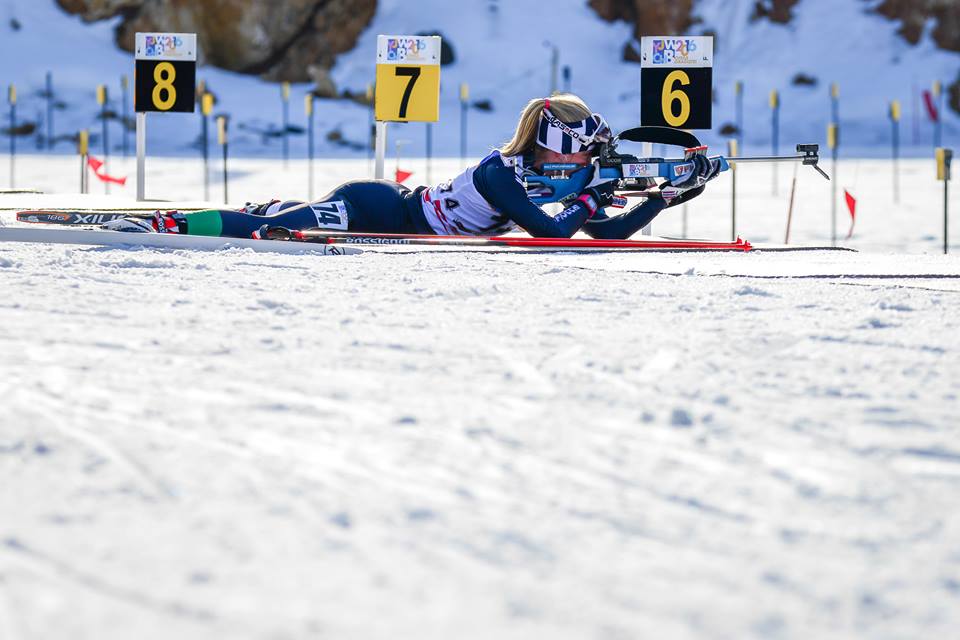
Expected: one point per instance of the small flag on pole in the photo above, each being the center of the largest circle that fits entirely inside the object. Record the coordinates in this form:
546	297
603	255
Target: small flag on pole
852	207
96	166
402	175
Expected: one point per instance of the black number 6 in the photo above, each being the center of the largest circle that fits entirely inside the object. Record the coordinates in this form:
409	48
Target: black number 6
413	73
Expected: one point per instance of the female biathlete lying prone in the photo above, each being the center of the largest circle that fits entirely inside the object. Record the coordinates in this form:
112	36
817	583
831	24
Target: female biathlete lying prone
486	199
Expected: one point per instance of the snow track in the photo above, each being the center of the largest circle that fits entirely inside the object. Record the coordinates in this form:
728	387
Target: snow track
488	445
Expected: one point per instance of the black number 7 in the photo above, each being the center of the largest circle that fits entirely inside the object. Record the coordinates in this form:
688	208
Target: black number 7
414	73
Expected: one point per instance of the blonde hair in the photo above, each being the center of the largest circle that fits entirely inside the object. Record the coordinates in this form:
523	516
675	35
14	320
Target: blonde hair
566	106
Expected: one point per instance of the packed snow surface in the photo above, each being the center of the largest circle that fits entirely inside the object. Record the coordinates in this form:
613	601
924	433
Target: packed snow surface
484	445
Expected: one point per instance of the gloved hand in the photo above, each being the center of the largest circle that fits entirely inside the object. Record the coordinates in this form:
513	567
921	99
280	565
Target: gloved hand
600	194
707	168
704	169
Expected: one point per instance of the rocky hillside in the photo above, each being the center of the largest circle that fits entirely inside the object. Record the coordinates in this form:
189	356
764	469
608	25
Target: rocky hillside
299	40
295	40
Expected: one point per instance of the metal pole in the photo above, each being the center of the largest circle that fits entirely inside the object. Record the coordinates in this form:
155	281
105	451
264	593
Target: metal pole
739	92
285	94
554	62
309	107
106	147
13	141
566	78
123	115
429	150
141	154
463	134
793	191
226	197
371	131
732	152
49	110
733	205
944	159
83	142
946	236
647	152
381	149
464	102
835	102
895	122
684	232
223	140
833	141
205	137
775	140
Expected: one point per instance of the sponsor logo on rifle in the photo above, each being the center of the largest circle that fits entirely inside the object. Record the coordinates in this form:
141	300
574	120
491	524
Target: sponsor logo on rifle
644	170
682	169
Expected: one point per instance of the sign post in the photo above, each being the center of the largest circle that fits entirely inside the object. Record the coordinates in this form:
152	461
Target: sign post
732	152
206	108
407	87
223	141
105	146
895	141
676	84
12	99
308	108
738	92
165	79
833	141
775	134
48	94
285	96
83	148
464	104
944	159
123	114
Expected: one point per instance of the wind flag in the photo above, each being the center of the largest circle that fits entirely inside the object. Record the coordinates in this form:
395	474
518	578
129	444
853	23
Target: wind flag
852	207
402	175
95	165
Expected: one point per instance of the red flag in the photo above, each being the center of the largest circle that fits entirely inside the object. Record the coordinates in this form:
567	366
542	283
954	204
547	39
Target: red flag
402	175
931	106
95	166
852	207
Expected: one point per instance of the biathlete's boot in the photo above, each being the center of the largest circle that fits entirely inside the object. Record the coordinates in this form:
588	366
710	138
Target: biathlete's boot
169	222
261	209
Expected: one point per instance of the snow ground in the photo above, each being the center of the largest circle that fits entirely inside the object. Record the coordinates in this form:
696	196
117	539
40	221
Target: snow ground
436	445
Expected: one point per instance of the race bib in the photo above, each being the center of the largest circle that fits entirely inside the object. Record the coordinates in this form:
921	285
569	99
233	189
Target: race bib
331	215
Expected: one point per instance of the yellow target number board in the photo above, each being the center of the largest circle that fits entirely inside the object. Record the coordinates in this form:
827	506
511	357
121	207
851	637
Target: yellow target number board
408	79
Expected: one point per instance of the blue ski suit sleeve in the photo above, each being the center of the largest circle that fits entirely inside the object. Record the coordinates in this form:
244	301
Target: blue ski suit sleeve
501	187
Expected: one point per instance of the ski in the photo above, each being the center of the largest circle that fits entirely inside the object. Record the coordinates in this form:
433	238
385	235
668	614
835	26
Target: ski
122	239
512	242
70	217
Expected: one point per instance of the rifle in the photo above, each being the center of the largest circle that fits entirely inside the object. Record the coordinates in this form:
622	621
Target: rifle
636	176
